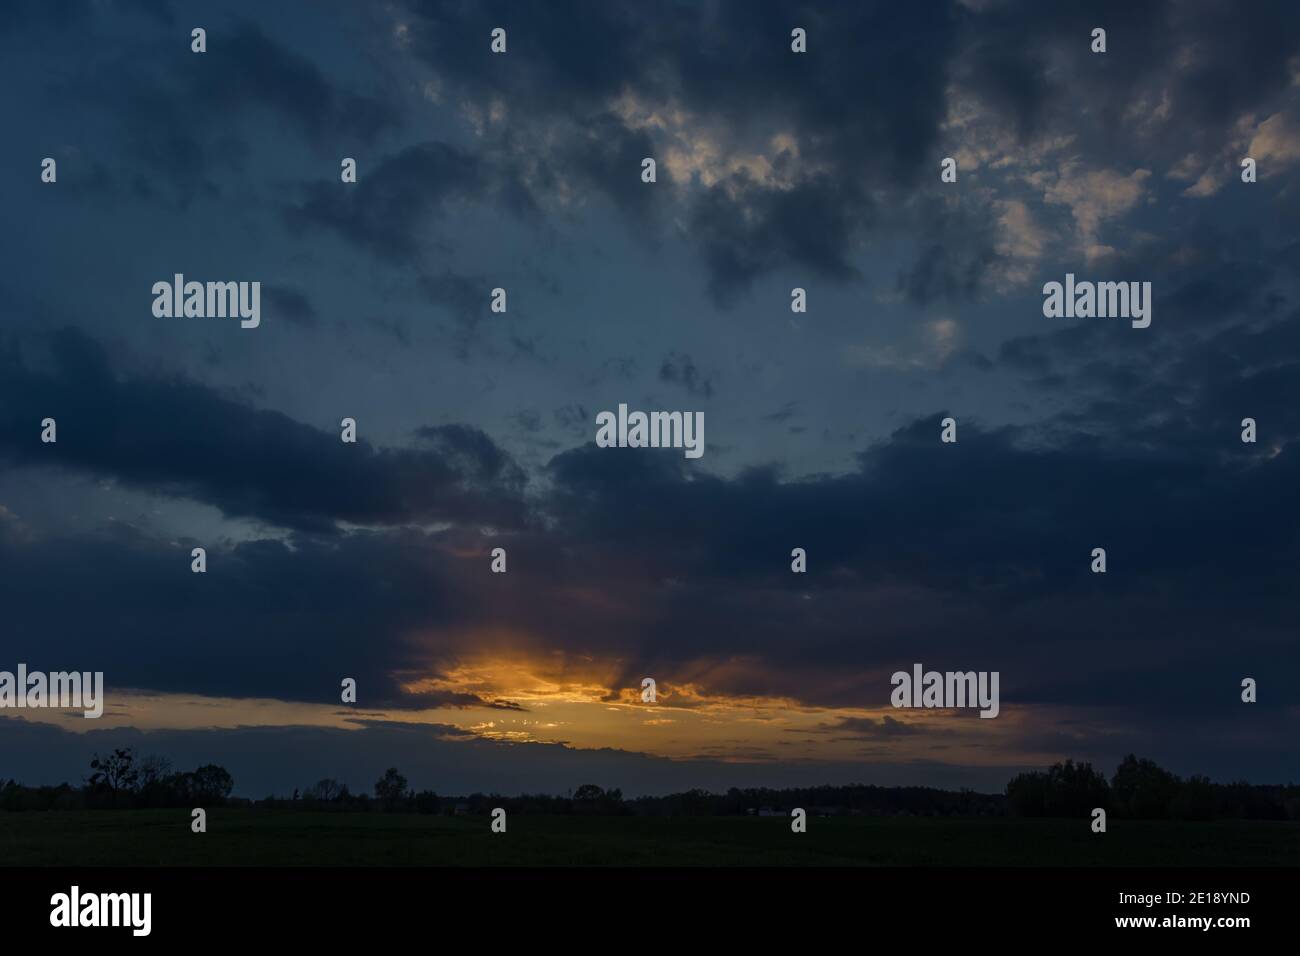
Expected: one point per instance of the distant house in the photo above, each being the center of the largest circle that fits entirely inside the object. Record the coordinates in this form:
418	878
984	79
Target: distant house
462	809
769	812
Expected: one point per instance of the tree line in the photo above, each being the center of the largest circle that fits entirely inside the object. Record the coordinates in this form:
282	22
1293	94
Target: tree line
1142	790
124	780
1139	789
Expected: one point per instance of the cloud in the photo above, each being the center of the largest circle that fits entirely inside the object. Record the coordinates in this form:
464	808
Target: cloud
780	149
1096	196
179	438
679	369
185	121
1277	141
246	69
1021	242
978	552
389	208
292	305
868	728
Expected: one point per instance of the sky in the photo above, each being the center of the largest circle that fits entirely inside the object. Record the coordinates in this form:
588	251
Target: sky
775	170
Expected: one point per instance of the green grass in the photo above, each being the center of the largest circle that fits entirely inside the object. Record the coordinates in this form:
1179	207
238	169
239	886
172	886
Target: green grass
255	837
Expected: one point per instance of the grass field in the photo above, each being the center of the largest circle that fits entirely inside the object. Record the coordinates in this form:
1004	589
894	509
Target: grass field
285	838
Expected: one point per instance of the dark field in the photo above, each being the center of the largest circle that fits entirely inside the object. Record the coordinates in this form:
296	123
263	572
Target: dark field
286	838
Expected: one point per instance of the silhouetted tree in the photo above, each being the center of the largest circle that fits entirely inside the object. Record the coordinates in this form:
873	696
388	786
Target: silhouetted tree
212	784
1027	795
116	772
154	770
1142	790
594	800
390	788
426	801
1065	790
156	783
1197	799
324	790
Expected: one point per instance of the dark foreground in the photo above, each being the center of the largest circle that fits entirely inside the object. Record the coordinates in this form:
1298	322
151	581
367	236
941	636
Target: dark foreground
253	837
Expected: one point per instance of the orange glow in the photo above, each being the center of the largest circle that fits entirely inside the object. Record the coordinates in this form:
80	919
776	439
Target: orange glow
559	699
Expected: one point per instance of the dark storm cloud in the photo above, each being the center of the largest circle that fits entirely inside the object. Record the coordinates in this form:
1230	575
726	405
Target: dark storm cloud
865	110
868	114
943	271
268	619
569	51
1015	57
180	438
865	107
1224	339
982	547
746	230
976	552
903	513
182	118
952	265
473	454
1215	89
602	155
